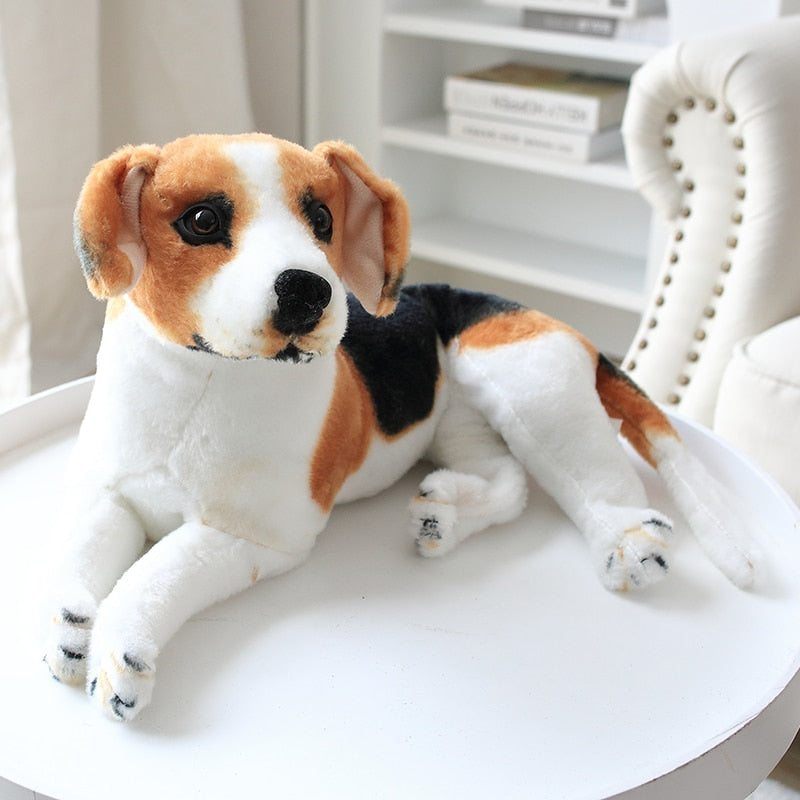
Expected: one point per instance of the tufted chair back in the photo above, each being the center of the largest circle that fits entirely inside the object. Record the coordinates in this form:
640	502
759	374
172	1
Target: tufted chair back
712	137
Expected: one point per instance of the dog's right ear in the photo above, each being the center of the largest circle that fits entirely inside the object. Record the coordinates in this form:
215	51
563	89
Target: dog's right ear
108	237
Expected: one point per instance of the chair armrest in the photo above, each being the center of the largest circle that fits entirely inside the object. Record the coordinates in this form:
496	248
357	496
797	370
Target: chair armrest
759	401
712	138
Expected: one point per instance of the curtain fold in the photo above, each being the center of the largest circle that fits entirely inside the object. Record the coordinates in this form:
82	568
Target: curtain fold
84	77
51	67
14	325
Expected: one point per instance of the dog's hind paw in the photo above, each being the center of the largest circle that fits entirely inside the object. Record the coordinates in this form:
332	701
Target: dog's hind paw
453	505
639	557
67	644
121	685
433	526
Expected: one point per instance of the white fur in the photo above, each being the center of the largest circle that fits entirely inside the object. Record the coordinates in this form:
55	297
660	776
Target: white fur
711	511
567	442
215	428
208	459
234	304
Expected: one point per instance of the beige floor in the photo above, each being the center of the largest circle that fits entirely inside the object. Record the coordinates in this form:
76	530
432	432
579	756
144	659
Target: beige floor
784	782
774	790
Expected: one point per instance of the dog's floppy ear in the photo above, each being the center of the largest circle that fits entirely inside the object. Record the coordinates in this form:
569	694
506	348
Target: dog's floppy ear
108	237
374	234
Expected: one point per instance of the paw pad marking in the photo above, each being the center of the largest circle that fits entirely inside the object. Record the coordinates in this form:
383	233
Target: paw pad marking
117	704
135	664
429	529
639	558
78	620
71	655
123	686
68	645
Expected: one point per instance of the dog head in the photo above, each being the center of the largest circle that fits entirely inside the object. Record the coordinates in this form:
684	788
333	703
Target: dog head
242	245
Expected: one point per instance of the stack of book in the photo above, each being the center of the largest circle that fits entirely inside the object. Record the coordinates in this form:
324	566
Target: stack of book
631	20
538	111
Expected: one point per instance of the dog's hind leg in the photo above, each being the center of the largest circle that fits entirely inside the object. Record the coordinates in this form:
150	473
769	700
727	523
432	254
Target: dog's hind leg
479	483
182	574
539	394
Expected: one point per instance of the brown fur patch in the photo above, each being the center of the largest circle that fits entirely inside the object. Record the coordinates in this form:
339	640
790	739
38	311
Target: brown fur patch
303	172
346	434
316	341
188	171
101	222
114	307
642	420
515	326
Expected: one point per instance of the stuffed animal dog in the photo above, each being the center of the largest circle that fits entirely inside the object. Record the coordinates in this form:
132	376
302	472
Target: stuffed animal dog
241	392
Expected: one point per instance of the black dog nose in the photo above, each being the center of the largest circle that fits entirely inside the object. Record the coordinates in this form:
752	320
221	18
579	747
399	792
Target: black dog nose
302	297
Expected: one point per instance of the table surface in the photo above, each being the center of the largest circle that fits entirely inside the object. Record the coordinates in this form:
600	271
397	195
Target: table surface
501	670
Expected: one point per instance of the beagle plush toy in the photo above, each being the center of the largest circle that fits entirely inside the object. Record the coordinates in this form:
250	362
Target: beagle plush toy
241	392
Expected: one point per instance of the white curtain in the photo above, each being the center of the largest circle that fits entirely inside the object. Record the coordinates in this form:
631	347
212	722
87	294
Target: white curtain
84	77
14	326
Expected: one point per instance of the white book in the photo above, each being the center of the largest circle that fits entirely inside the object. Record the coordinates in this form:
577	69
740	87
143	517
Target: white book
624	9
577	24
539	96
653	28
535	140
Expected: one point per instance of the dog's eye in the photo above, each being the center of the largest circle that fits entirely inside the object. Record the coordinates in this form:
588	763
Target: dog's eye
323	222
207	222
204	221
321	219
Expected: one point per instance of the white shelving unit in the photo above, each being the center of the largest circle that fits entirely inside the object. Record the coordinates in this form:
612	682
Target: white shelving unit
579	235
475	23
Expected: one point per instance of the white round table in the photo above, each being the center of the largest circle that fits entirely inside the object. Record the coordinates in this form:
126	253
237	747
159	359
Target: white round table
503	670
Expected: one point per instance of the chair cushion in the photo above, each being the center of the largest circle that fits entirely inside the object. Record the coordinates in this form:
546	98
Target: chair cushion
758	408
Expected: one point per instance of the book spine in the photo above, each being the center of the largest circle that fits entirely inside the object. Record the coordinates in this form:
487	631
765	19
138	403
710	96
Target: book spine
531	105
622	9
578	24
532	140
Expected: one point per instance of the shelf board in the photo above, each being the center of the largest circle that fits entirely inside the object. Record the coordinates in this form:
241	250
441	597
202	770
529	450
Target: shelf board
498	26
430	135
611	279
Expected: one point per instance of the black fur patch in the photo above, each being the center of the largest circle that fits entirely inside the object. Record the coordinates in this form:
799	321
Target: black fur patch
455	310
397	354
397	357
84	252
289	353
201	344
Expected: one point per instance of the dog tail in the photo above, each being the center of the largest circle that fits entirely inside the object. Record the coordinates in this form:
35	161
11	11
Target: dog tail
704	503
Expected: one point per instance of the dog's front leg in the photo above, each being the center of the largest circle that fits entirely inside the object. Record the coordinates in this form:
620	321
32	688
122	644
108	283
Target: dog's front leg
187	571
106	538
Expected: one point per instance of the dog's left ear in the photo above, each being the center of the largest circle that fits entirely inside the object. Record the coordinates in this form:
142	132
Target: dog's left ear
373	235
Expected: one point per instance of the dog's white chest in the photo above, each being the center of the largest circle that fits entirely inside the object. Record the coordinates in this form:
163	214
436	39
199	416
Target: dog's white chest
228	444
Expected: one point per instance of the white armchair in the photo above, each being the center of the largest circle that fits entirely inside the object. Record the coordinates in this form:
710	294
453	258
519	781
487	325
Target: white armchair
712	137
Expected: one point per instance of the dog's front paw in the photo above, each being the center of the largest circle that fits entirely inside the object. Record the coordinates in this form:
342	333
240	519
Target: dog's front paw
67	643
121	684
639	558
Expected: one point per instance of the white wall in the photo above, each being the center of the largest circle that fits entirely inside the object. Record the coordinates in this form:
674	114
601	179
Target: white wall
343	94
275	53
